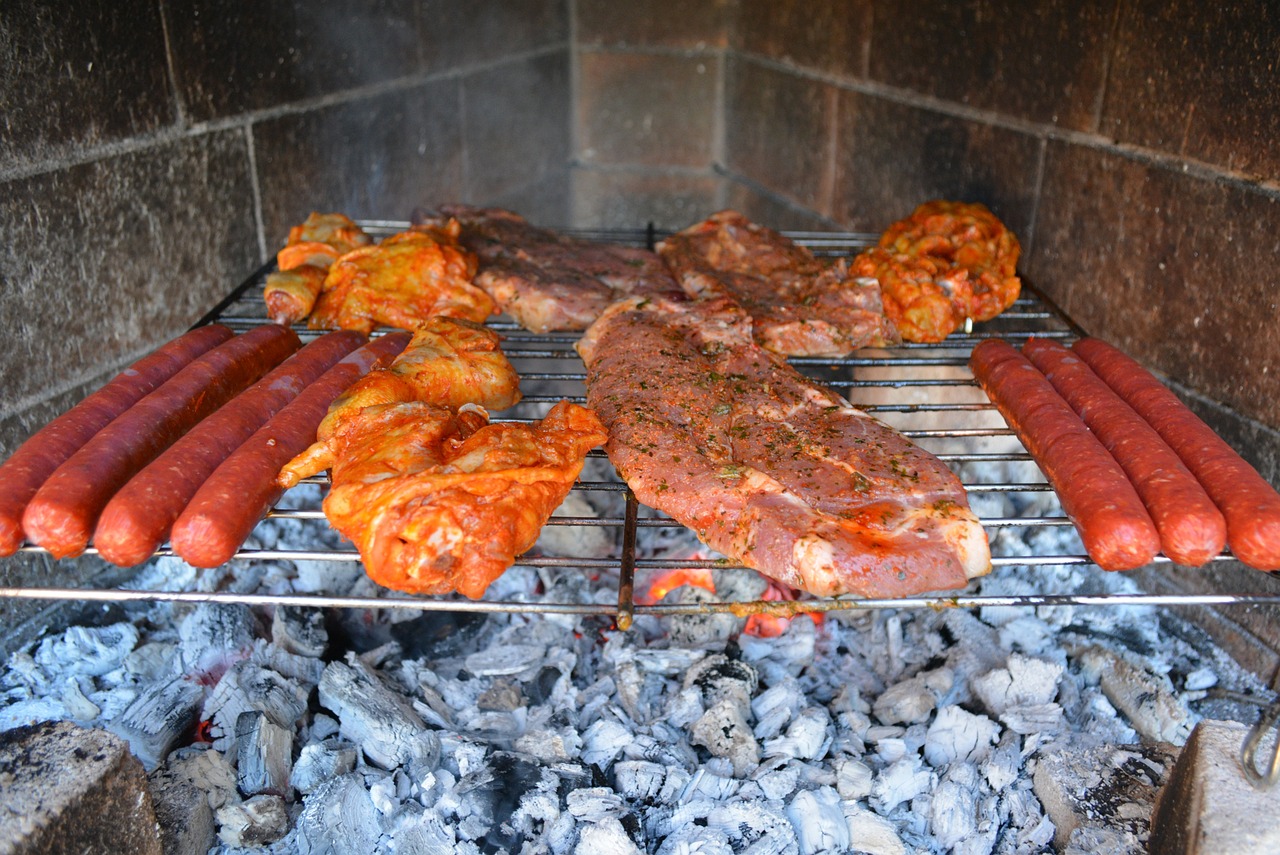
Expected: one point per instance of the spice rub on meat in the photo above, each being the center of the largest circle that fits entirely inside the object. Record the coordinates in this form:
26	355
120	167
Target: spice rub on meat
765	465
801	305
543	280
947	262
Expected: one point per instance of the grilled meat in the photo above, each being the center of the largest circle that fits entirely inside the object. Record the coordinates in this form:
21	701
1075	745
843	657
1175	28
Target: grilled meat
313	246
401	282
947	262
800	305
543	280
766	466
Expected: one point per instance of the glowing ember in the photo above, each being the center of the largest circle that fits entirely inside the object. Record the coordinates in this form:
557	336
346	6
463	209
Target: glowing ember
762	625
699	577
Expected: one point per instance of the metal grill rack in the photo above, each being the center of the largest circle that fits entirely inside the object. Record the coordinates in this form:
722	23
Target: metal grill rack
924	390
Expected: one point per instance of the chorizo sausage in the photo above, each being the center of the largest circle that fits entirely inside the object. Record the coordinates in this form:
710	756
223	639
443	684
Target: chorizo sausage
62	514
138	518
36	459
240	491
1113	524
1251	505
1191	527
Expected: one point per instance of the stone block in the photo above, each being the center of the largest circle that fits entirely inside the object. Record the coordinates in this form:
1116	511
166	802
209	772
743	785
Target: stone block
834	38
654	23
1207	806
64	788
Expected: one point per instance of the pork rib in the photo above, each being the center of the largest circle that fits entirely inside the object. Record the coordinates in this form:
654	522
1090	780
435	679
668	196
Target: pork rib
543	280
765	465
801	305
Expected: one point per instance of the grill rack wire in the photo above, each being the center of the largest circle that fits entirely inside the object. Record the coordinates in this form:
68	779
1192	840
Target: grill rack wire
883	375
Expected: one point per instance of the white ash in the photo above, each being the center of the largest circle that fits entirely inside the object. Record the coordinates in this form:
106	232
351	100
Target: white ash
885	732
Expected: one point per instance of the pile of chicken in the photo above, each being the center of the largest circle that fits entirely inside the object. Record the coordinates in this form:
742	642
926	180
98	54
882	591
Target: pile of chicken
435	497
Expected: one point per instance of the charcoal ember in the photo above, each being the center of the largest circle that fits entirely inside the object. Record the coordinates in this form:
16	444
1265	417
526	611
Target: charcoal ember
639	780
213	636
370	714
1147	699
807	737
321	761
205	768
1021	694
90	651
853	778
684	707
506	660
738	584
606	837
777	784
492	794
545	685
954	806
724	731
603	741
900	782
338	818
254	822
300	630
182	811
699	628
437	635
550	744
913	700
502	696
150	661
722	678
775	706
264	755
248	687
871	833
160	717
956	734
819	821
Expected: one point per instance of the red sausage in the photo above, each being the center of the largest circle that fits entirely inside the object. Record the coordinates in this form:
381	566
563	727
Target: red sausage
1250	505
240	491
1191	527
63	512
1095	494
138	518
34	461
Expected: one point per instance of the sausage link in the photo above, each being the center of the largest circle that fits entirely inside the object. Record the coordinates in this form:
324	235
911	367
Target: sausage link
1095	494
1192	529
63	512
1251	505
240	491
138	518
36	459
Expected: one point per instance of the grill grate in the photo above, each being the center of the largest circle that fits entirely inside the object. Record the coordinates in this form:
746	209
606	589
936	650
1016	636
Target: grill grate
924	390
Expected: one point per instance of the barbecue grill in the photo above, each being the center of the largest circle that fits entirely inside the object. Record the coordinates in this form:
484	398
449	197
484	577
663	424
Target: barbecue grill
967	434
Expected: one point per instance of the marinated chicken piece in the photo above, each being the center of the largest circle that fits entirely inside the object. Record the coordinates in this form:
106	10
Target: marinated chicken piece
439	500
947	262
312	247
766	466
448	362
800	305
401	282
543	280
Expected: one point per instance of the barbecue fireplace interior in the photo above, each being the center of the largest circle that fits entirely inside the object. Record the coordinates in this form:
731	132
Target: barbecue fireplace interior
156	153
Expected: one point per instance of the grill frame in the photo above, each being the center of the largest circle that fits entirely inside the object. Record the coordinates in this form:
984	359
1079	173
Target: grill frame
1033	314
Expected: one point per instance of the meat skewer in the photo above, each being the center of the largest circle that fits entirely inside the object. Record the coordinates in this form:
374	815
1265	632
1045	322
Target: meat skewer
138	518
1191	527
63	512
1251	505
240	491
37	458
1114	525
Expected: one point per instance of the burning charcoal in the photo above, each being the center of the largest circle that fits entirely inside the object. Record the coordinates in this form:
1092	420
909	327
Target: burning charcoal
603	741
299	630
853	778
91	651
320	761
150	661
264	755
550	745
738	584
638	780
699	629
779	783
959	735
775	706
870	833
183	813
305	669
606	837
1147	700
954	808
207	769
502	696
722	678
371	715
913	700
213	636
819	821
1022	682
593	804
1002	767
158	718
245	687
723	730
808	736
437	635
338	818
254	822
506	660
753	826
542	687
900	782
684	707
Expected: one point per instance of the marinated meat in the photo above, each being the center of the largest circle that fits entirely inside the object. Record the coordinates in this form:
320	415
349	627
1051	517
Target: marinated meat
800	305
543	280
766	466
947	262
401	282
439	500
312	248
